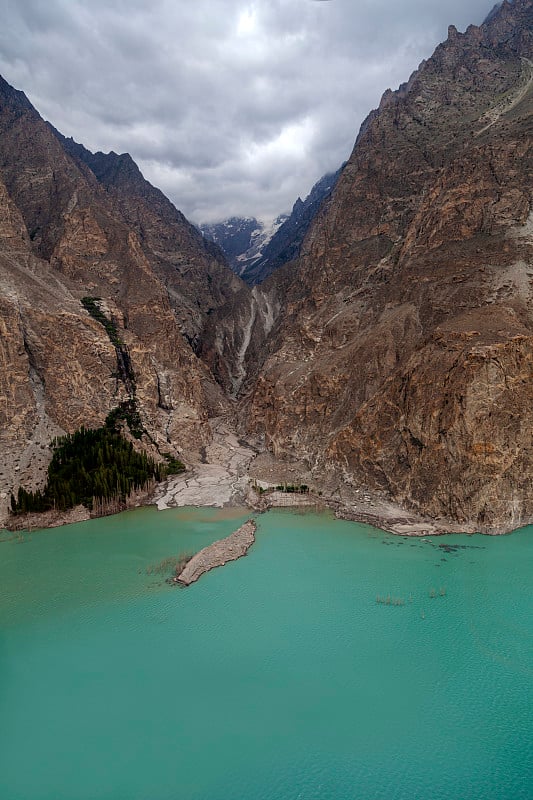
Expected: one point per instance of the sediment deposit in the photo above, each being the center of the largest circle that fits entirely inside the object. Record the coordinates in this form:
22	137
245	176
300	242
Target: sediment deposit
219	553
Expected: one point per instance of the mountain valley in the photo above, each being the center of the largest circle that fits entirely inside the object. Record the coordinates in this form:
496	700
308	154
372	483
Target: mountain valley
379	348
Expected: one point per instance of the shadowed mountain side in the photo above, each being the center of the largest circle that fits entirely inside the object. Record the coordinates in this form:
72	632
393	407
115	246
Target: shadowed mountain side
286	243
254	250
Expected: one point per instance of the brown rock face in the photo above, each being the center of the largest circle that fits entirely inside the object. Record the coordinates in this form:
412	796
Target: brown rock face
455	439
403	361
67	233
193	270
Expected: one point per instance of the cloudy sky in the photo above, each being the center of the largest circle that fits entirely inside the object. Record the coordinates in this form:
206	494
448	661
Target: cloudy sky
231	107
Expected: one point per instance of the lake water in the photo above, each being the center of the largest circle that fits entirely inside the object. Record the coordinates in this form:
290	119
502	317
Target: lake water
276	677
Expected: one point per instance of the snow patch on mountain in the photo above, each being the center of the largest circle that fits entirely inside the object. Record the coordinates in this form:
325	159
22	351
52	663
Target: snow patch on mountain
243	239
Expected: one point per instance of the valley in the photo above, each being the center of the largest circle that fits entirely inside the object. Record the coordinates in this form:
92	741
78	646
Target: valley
381	354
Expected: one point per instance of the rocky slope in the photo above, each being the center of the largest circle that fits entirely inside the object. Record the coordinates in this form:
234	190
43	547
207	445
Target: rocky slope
75	226
404	359
193	271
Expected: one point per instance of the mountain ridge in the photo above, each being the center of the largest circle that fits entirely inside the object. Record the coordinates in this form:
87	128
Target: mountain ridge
242	239
66	238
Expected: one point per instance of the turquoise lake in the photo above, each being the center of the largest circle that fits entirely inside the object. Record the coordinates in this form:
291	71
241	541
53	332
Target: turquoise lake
276	677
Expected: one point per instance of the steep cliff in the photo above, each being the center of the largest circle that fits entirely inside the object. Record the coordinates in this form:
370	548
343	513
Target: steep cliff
72	239
193	270
403	361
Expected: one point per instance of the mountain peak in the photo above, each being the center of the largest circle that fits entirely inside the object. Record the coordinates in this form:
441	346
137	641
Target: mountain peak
13	97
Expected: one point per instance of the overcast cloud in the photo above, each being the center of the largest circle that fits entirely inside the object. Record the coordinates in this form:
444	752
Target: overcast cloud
230	107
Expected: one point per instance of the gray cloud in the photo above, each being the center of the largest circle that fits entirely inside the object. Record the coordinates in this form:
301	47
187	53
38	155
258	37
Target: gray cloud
230	107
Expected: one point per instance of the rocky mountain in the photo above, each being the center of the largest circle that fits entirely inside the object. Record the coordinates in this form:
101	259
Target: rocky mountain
403	360
235	236
194	273
285	244
394	354
254	250
243	241
104	291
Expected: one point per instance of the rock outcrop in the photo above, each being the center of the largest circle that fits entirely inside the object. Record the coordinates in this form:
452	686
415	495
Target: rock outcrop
403	358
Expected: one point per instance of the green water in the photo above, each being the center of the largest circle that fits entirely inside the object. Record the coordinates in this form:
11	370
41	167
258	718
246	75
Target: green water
276	677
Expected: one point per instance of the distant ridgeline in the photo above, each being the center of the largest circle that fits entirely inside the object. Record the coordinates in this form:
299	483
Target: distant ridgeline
94	468
254	251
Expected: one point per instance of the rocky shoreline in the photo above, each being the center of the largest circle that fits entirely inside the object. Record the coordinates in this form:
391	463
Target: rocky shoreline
239	473
235	472
234	546
47	519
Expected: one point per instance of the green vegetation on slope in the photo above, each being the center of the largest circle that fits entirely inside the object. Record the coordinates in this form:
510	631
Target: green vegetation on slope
125	371
288	488
91	466
128	412
99	468
90	304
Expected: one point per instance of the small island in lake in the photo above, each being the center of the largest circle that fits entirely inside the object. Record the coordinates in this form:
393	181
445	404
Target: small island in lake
219	553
